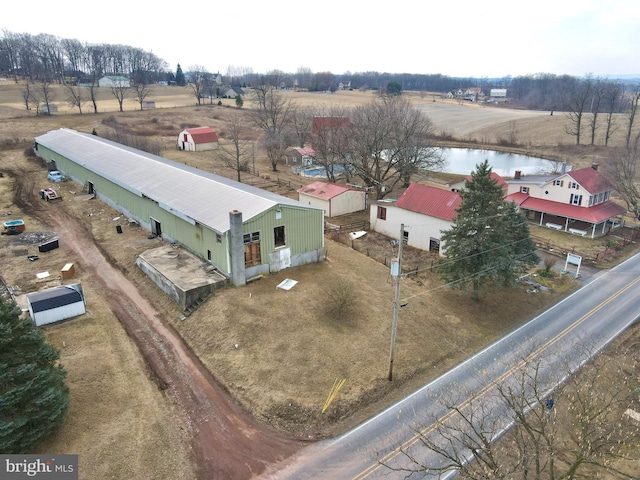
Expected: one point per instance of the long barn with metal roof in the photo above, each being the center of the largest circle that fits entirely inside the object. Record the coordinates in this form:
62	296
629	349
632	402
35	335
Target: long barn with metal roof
242	230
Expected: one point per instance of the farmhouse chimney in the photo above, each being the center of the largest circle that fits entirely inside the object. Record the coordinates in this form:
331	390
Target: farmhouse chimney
518	174
237	248
594	166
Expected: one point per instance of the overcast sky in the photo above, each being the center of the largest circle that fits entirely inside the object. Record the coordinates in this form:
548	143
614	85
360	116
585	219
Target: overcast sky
460	39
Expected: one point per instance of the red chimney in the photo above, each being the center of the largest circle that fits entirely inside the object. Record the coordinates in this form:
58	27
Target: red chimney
518	174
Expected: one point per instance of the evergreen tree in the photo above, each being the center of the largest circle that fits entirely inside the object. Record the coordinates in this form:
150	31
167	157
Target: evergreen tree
181	81
33	395
489	242
239	101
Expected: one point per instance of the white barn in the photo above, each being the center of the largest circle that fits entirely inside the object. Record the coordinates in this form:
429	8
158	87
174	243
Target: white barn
114	81
198	139
56	304
334	199
425	212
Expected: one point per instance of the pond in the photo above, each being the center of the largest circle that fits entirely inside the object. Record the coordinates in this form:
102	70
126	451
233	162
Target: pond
463	161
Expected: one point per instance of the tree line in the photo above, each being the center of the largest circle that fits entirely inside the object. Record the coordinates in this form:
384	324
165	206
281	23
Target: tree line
66	60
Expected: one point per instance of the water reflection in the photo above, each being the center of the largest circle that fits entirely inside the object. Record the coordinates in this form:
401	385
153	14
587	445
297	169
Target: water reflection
463	161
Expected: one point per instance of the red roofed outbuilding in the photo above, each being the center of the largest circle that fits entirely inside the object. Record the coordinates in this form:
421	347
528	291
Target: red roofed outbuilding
334	199
198	139
424	210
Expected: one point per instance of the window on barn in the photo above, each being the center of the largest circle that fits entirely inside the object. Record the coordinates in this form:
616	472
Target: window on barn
434	244
251	249
382	213
218	238
278	236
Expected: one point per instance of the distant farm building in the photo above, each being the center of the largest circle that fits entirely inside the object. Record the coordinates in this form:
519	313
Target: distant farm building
334	199
56	304
300	156
114	81
498	93
198	139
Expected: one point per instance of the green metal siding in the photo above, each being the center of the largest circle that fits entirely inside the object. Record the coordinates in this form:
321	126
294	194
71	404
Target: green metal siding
303	229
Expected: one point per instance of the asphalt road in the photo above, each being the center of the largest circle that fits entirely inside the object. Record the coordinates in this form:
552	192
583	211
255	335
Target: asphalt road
606	304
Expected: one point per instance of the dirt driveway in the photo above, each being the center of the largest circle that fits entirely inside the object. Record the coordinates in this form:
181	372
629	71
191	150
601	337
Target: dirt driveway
228	443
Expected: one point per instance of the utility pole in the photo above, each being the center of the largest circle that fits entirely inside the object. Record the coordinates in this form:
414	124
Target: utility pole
396	303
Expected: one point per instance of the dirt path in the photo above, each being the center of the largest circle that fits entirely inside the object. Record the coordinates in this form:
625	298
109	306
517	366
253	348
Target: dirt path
227	442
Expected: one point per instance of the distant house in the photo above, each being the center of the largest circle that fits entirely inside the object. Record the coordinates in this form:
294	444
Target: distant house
577	202
300	156
473	94
424	210
498	93
147	104
227	92
114	81
458	184
334	199
56	304
198	139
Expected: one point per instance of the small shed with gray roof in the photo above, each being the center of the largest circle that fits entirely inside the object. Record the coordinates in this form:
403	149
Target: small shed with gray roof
56	304
241	230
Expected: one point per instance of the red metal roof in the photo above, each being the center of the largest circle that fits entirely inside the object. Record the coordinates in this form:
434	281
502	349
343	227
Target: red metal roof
591	180
432	201
596	214
202	135
323	190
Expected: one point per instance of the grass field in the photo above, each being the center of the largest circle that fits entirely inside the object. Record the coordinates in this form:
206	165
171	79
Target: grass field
290	349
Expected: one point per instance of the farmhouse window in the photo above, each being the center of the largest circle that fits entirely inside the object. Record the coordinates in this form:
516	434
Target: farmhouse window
558	183
575	199
524	189
382	213
278	236
573	185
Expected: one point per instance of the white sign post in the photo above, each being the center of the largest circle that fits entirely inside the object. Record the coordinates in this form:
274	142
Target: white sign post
573	259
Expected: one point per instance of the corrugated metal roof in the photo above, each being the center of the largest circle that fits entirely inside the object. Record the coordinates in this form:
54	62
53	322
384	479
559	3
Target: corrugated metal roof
324	190
202	135
53	298
204	197
591	180
432	201
596	214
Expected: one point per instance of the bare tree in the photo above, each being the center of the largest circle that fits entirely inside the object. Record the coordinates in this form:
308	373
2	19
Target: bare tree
273	116
142	91
197	78
329	136
120	89
389	140
46	94
239	150
302	123
560	424
76	96
622	169
578	106
597	96
631	114
611	103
